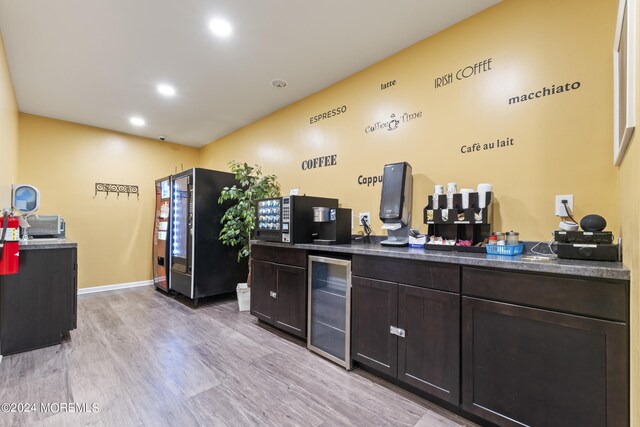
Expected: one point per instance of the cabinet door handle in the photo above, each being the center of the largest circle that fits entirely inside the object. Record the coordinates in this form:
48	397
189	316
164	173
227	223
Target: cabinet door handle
396	331
273	294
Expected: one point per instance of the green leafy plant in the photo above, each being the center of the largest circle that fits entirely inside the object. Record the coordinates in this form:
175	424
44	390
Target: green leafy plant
238	222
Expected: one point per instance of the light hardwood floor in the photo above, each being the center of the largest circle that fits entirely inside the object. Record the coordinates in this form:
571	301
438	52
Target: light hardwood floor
150	360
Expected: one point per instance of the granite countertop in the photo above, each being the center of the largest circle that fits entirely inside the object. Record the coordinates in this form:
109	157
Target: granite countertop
40	244
526	262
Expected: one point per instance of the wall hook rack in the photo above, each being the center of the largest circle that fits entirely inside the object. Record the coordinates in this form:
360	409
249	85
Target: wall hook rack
102	187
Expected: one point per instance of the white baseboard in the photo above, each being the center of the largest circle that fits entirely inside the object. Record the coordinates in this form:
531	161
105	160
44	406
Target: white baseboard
106	288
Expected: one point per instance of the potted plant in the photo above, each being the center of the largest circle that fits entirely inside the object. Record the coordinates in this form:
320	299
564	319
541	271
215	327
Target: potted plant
238	222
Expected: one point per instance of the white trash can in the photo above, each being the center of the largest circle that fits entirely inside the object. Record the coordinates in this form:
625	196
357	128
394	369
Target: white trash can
244	296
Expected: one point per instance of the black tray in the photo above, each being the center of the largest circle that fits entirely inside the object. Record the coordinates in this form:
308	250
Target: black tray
449	248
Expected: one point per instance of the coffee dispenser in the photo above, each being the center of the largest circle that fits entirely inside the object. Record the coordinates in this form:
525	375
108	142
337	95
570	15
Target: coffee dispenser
332	226
395	203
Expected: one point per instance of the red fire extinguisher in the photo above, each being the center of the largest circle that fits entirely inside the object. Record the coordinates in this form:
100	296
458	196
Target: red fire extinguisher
9	245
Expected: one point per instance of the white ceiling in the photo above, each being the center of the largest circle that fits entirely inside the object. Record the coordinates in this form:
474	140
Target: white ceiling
97	62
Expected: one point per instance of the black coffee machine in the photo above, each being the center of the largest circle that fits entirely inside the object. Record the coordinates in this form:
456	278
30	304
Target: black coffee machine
331	226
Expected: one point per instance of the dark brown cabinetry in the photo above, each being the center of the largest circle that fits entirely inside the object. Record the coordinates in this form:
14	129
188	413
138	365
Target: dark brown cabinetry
543	365
429	353
291	299
279	288
510	347
408	332
38	305
374	311
263	287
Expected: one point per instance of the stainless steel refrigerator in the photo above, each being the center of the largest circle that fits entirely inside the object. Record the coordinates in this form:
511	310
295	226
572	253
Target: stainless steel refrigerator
201	265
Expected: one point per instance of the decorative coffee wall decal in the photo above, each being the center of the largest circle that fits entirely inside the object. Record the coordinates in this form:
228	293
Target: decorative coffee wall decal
320	162
624	79
477	147
370	181
463	73
545	91
328	114
394	122
387	85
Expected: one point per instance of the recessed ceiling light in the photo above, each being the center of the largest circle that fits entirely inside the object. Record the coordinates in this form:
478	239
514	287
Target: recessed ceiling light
220	27
279	83
137	121
166	90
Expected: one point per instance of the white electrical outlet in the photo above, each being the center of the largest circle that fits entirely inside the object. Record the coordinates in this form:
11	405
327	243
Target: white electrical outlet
560	208
366	215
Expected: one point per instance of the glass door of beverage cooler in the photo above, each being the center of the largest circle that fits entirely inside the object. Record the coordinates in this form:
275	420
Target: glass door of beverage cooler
330	309
182	224
162	234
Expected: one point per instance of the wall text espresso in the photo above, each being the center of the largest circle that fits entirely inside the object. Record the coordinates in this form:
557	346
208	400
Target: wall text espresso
327	115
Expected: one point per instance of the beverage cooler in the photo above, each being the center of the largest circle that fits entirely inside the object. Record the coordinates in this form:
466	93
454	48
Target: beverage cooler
162	234
201	265
329	318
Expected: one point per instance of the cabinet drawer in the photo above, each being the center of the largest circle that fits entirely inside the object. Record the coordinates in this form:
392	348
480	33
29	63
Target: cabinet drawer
418	273
278	255
595	298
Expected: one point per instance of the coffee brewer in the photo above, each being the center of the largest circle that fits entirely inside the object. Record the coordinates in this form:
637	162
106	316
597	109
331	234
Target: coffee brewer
331	226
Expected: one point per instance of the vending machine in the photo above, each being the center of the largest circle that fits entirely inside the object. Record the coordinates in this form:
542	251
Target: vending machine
162	234
200	264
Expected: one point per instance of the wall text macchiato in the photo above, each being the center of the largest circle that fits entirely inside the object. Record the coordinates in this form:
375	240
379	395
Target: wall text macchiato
545	91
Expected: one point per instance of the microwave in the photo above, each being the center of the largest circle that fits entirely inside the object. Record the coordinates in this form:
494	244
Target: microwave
288	219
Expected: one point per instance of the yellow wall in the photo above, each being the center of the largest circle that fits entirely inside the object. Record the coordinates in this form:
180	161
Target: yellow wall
64	160
561	142
629	200
630	220
8	132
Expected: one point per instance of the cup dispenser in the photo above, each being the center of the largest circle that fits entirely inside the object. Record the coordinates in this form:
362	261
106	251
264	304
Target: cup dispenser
395	203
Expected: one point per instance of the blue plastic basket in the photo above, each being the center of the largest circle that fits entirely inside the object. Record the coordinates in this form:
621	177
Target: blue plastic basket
505	249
